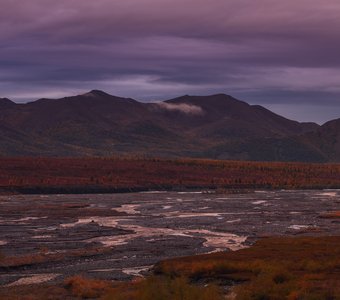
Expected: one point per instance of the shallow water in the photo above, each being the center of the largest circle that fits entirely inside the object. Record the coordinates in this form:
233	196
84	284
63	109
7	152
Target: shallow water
143	228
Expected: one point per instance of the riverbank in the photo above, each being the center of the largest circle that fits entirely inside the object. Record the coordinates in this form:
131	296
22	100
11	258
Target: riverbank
273	268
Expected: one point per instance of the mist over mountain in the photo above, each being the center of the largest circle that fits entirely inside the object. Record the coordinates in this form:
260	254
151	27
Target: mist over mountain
217	126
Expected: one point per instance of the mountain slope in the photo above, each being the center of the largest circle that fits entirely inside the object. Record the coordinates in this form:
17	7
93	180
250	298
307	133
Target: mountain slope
326	139
96	123
224	116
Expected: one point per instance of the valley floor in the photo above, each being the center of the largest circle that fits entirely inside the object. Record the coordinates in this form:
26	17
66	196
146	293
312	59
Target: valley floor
75	246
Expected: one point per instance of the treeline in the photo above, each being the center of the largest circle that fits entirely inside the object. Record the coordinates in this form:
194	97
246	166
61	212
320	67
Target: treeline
125	174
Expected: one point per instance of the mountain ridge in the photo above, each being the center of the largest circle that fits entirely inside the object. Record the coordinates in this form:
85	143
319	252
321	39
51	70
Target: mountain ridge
213	126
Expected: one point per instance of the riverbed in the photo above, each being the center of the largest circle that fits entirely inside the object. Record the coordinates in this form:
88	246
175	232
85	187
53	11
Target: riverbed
134	231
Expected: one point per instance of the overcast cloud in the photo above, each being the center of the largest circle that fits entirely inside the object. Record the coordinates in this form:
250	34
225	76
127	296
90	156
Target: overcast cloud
281	54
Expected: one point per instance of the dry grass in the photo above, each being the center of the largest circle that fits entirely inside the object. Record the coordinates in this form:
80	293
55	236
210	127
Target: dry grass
35	292
85	288
164	288
275	268
299	268
78	287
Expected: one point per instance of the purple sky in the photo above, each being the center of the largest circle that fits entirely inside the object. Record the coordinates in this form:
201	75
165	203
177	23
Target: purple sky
284	55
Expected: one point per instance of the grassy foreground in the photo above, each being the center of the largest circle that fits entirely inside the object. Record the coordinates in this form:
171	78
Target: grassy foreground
274	268
293	268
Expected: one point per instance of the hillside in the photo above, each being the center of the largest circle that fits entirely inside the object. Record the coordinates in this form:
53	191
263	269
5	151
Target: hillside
327	139
217	126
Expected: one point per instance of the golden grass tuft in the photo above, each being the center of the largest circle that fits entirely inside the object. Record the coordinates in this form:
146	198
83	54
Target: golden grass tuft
164	288
87	288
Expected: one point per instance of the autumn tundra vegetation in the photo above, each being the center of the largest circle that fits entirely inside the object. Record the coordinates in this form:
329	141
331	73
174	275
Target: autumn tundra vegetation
125	174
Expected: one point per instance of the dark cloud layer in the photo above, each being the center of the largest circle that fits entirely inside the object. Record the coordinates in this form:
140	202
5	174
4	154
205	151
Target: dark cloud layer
282	54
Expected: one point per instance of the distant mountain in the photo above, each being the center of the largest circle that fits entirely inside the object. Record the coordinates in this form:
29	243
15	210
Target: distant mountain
224	116
327	140
4	102
217	126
